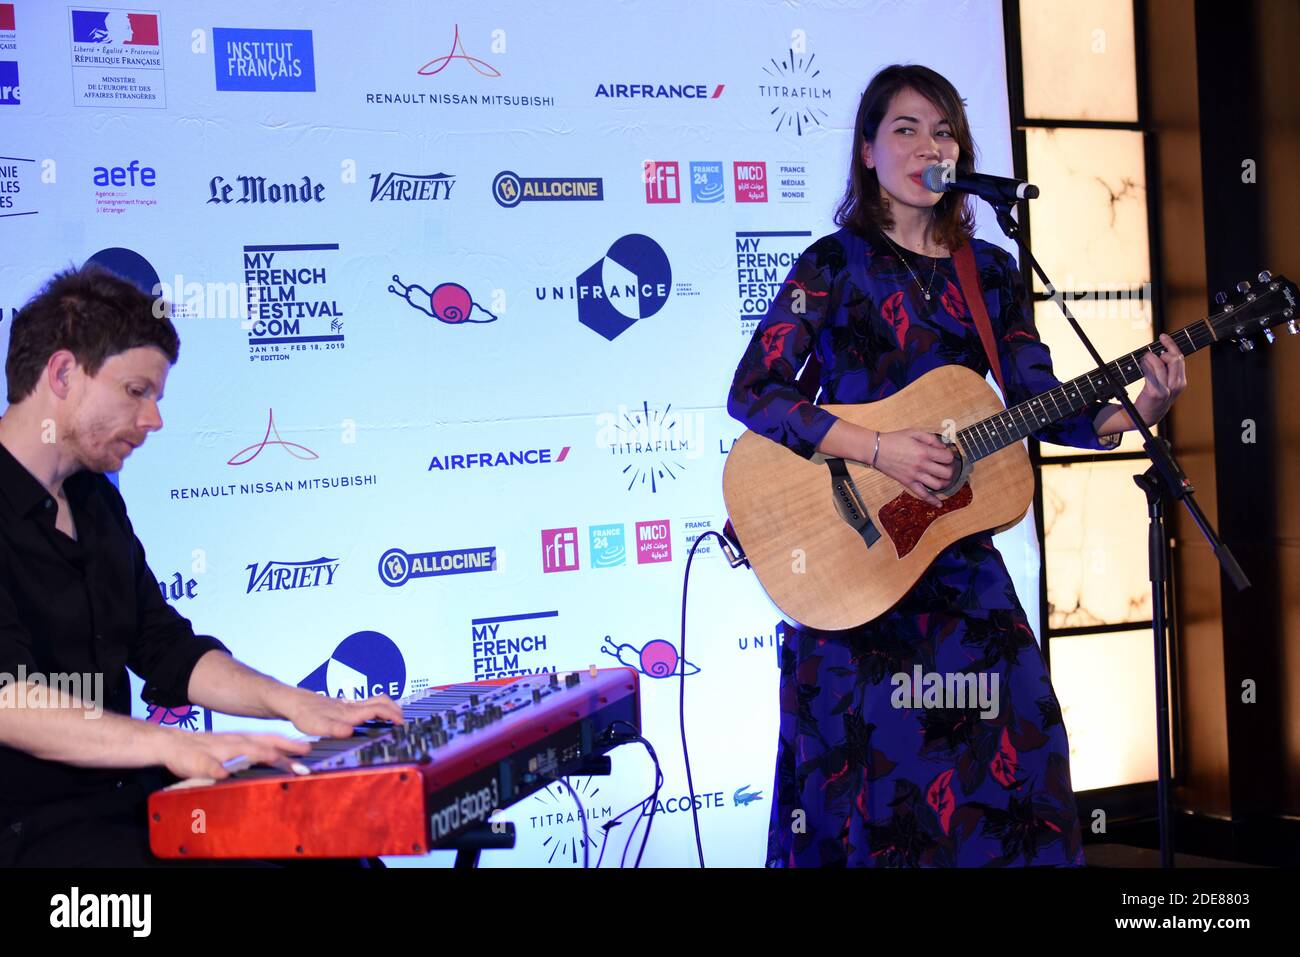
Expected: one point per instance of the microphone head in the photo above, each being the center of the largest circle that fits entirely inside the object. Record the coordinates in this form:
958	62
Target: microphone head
939	177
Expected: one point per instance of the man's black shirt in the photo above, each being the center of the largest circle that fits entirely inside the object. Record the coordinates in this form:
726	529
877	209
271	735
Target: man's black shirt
82	607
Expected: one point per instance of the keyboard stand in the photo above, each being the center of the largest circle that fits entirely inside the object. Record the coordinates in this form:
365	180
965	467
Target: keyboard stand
469	844
473	842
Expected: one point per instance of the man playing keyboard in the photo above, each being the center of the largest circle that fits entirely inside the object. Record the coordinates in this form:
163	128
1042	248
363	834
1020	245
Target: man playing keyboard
86	368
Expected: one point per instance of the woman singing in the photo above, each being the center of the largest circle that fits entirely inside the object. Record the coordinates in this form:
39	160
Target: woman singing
860	782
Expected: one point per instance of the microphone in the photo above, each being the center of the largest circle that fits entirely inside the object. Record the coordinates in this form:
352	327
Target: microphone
943	177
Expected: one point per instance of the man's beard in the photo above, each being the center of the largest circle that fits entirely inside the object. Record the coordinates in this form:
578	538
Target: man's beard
94	457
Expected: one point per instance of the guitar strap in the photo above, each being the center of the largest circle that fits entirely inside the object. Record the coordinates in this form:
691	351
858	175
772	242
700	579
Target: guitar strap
963	258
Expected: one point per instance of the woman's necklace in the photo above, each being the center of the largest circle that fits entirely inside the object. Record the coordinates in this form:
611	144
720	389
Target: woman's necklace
925	290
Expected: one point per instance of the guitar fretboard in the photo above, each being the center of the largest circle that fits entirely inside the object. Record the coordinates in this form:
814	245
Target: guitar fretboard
987	436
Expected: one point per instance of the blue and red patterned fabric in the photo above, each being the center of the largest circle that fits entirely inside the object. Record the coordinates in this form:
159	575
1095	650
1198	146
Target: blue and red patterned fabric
860	782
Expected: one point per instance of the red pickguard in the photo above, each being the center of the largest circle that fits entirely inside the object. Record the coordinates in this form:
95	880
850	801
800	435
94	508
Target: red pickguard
905	517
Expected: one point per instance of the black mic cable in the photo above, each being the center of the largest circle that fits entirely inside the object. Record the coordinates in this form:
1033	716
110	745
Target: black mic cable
734	560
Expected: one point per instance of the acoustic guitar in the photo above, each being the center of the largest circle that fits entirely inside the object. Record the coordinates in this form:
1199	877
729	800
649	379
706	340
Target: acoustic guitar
835	543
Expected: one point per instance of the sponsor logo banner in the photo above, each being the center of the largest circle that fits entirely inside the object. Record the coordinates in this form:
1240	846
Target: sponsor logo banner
410	187
506	646
10	91
458	65
397	567
707	182
607	547
119	188
794	94
510	189
662	180
475	460
264	61
290	311
559	550
763	260
364	664
654	542
751	182
17	176
290	576
659	91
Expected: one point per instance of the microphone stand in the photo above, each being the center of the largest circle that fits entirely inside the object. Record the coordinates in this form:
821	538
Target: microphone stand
1163	479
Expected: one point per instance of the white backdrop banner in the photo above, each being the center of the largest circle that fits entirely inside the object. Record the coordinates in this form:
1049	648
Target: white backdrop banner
460	289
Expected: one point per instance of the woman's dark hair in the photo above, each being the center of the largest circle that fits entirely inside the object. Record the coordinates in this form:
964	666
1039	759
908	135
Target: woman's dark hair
92	313
863	209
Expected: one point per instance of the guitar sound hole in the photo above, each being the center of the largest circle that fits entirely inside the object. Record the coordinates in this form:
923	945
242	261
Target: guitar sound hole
957	467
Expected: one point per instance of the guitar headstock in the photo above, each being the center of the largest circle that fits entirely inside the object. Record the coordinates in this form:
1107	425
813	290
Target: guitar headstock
1256	309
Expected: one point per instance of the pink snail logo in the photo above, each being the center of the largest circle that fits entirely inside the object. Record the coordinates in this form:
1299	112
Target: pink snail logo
186	716
655	659
438	64
449	302
244	456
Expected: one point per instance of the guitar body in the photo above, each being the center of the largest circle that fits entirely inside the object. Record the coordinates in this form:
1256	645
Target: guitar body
816	566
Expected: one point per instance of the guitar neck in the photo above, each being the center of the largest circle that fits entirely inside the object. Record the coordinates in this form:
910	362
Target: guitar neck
987	436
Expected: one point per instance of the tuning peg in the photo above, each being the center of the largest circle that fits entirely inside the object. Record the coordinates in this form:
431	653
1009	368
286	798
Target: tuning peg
1265	277
1268	336
1243	287
1220	298
1291	328
1246	345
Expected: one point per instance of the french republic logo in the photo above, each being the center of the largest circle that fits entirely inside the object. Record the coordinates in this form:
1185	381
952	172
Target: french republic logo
559	550
662	181
449	302
117	58
111	26
751	182
264	61
654	542
8	38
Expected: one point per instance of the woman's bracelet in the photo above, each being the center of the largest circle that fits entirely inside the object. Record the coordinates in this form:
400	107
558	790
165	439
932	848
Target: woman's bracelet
876	454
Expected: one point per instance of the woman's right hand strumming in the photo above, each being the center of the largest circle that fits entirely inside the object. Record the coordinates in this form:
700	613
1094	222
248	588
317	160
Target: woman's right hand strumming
917	460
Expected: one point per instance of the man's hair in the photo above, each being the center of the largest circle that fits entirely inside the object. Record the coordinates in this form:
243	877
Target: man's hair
91	312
